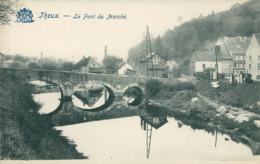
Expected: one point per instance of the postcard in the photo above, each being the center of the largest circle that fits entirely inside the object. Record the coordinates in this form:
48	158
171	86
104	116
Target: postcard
130	81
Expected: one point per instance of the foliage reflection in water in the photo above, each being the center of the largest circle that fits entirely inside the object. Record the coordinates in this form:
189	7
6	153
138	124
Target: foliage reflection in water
47	95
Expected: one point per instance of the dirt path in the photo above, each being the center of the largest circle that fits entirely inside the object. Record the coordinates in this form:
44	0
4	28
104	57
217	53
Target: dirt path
235	111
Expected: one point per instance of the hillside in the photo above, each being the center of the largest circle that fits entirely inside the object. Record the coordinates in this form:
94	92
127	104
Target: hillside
197	34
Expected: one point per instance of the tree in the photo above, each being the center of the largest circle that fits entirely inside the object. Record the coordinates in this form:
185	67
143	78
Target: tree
180	19
67	66
158	47
49	66
33	65
111	63
7	8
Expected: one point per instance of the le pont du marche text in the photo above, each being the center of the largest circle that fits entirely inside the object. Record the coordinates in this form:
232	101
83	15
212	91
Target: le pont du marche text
44	15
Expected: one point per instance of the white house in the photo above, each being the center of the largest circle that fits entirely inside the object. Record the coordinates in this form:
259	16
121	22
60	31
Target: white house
87	65
207	59
126	69
253	57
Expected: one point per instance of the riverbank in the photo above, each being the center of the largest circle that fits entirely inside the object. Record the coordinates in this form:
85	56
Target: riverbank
25	134
183	104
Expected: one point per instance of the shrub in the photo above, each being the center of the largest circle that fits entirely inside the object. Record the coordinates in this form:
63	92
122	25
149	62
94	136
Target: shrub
249	78
152	87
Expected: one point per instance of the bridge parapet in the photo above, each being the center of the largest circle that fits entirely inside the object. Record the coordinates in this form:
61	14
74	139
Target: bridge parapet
69	81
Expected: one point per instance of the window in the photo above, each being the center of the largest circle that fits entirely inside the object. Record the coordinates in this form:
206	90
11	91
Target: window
258	57
156	60
257	76
235	65
237	57
240	57
258	66
250	67
203	66
230	66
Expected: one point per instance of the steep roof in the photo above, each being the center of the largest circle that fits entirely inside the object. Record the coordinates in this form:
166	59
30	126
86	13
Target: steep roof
205	56
82	62
224	54
237	46
257	36
124	63
150	55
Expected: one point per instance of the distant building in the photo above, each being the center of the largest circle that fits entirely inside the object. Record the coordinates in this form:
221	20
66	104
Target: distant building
126	69
253	57
87	65
172	65
237	47
159	65
202	60
2	59
7	63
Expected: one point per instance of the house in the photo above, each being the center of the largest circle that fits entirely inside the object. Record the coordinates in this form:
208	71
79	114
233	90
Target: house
125	69
87	65
172	65
237	47
184	64
206	60
2	59
253	57
157	67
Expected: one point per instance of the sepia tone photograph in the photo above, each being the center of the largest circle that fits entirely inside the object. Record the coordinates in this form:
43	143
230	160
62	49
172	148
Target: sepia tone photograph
129	81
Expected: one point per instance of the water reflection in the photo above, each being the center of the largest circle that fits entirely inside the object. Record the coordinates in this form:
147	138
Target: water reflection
133	96
154	122
91	97
48	95
110	139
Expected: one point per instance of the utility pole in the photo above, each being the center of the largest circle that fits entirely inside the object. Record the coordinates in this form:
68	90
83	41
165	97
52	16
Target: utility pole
147	54
149	43
216	49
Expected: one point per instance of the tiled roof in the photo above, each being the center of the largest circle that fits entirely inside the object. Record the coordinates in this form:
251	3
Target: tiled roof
82	62
205	56
149	55
224	54
237	46
258	38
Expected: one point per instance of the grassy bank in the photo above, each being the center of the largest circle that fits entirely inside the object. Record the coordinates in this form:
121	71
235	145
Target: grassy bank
246	95
176	101
25	134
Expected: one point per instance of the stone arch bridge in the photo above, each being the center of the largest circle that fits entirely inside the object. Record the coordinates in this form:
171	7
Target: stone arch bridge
70	81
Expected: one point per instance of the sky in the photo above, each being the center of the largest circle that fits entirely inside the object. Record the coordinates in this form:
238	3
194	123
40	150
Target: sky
71	39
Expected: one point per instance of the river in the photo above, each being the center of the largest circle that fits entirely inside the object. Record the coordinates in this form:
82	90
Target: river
132	133
126	139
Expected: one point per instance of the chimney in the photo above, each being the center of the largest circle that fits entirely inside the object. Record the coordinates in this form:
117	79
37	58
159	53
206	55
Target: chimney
41	56
217	49
105	51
